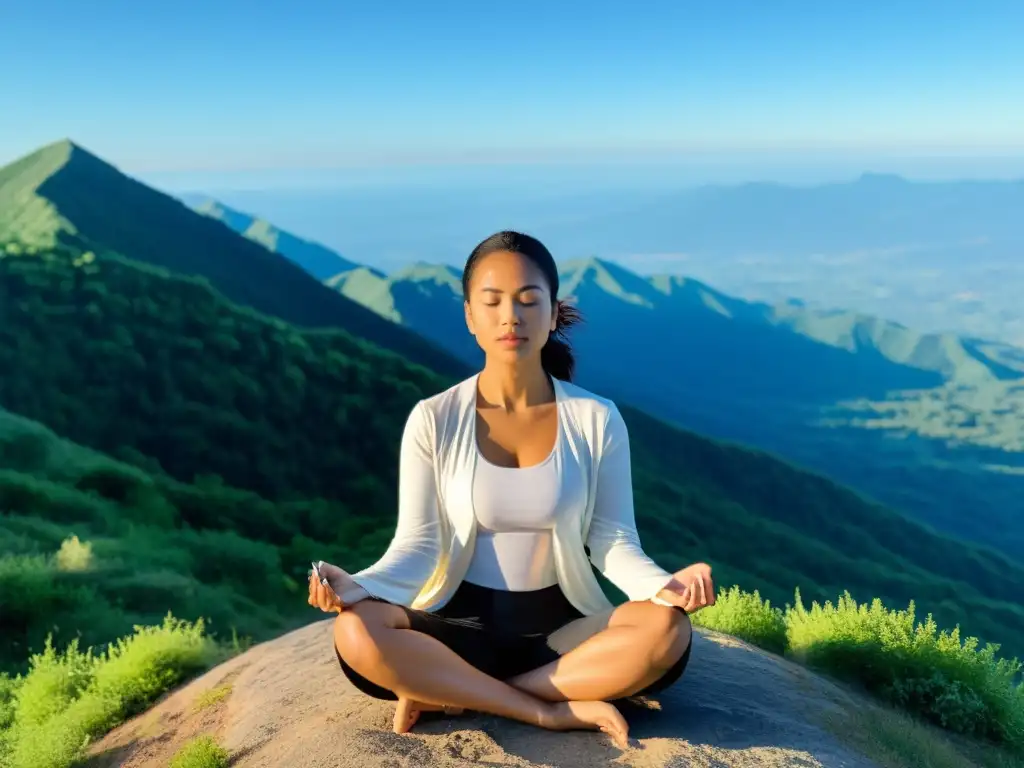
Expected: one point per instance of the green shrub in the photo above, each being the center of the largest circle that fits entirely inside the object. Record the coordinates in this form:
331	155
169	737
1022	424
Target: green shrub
954	684
29	590
8	690
25	450
747	617
67	699
26	494
201	752
74	555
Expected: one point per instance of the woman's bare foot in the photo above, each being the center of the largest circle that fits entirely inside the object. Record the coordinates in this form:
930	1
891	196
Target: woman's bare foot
407	712
588	716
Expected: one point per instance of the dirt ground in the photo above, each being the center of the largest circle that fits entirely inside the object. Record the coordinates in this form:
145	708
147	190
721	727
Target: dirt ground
286	703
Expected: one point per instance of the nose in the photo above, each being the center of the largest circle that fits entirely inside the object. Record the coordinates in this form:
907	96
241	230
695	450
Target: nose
510	313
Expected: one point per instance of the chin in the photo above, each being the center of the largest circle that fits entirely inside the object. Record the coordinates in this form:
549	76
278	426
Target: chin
511	355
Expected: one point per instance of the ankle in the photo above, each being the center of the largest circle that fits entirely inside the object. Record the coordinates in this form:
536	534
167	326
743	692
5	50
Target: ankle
551	715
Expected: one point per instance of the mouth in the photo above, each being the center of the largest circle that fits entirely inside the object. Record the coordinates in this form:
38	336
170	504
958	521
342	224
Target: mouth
511	338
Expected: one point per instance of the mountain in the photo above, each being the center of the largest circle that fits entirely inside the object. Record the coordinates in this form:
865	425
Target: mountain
253	433
421	295
62	194
874	210
928	423
321	262
940	255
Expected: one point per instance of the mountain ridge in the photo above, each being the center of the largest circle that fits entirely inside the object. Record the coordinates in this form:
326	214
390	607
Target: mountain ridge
62	193
319	260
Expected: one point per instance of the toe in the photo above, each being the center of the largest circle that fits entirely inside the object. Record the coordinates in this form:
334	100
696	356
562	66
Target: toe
406	716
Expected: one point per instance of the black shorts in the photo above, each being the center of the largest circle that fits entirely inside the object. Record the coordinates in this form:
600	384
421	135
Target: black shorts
501	633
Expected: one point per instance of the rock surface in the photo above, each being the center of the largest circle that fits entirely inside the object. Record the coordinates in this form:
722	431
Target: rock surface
286	703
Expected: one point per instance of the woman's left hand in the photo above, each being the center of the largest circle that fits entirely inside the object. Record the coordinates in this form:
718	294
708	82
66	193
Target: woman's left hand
691	588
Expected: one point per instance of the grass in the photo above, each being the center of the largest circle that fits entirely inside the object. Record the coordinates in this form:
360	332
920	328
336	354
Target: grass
747	616
211	697
69	698
200	752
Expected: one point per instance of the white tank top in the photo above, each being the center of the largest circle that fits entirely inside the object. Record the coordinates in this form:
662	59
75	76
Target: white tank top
516	509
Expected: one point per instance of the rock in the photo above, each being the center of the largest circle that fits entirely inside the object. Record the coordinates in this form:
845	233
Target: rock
290	705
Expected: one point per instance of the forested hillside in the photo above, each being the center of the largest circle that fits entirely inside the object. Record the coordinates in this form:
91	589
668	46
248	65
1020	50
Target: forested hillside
62	194
162	371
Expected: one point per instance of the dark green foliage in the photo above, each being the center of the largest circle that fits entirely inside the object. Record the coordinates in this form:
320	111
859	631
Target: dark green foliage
203	387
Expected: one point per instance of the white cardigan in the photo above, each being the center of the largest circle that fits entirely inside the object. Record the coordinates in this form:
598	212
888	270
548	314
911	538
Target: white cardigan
433	541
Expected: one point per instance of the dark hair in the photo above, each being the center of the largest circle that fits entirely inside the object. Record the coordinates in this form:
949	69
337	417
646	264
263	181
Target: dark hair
556	357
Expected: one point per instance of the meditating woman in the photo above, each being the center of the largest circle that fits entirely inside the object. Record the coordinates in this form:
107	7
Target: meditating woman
512	484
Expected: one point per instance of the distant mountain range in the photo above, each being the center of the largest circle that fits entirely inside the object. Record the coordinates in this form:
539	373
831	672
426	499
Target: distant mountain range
63	194
932	423
874	210
318	260
943	255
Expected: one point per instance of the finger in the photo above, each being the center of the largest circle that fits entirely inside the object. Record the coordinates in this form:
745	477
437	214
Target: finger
333	599
322	600
330	601
703	594
687	604
711	591
694	600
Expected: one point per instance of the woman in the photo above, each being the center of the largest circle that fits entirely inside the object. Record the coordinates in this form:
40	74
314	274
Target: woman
512	483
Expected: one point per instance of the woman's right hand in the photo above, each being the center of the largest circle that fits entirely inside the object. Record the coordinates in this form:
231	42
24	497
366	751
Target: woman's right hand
325	597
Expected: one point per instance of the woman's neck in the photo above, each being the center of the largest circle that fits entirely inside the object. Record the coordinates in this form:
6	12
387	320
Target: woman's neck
515	387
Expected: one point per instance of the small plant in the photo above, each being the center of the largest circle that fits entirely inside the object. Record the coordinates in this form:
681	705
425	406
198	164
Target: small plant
200	752
74	555
211	697
746	616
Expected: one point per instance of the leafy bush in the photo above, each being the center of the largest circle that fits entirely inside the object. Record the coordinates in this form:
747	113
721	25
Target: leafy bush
201	752
950	682
911	665
746	616
74	555
69	698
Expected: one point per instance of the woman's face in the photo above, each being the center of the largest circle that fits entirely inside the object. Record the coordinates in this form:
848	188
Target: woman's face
510	308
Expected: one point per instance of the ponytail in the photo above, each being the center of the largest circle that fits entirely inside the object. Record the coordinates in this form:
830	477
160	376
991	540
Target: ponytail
556	357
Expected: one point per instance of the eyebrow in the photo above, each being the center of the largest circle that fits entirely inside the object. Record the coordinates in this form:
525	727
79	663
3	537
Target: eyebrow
520	290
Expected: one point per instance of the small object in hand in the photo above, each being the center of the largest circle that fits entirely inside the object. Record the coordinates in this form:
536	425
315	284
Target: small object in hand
316	570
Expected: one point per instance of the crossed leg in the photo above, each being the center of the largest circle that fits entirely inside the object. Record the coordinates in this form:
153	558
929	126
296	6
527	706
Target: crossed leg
603	658
610	656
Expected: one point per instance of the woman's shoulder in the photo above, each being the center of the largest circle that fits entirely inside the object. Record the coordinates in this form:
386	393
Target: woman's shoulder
441	414
450	400
584	402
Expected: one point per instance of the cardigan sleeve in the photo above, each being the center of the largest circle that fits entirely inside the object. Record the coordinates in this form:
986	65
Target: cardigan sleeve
415	549
613	539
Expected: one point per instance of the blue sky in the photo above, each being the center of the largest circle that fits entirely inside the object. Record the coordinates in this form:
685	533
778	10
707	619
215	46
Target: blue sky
190	87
